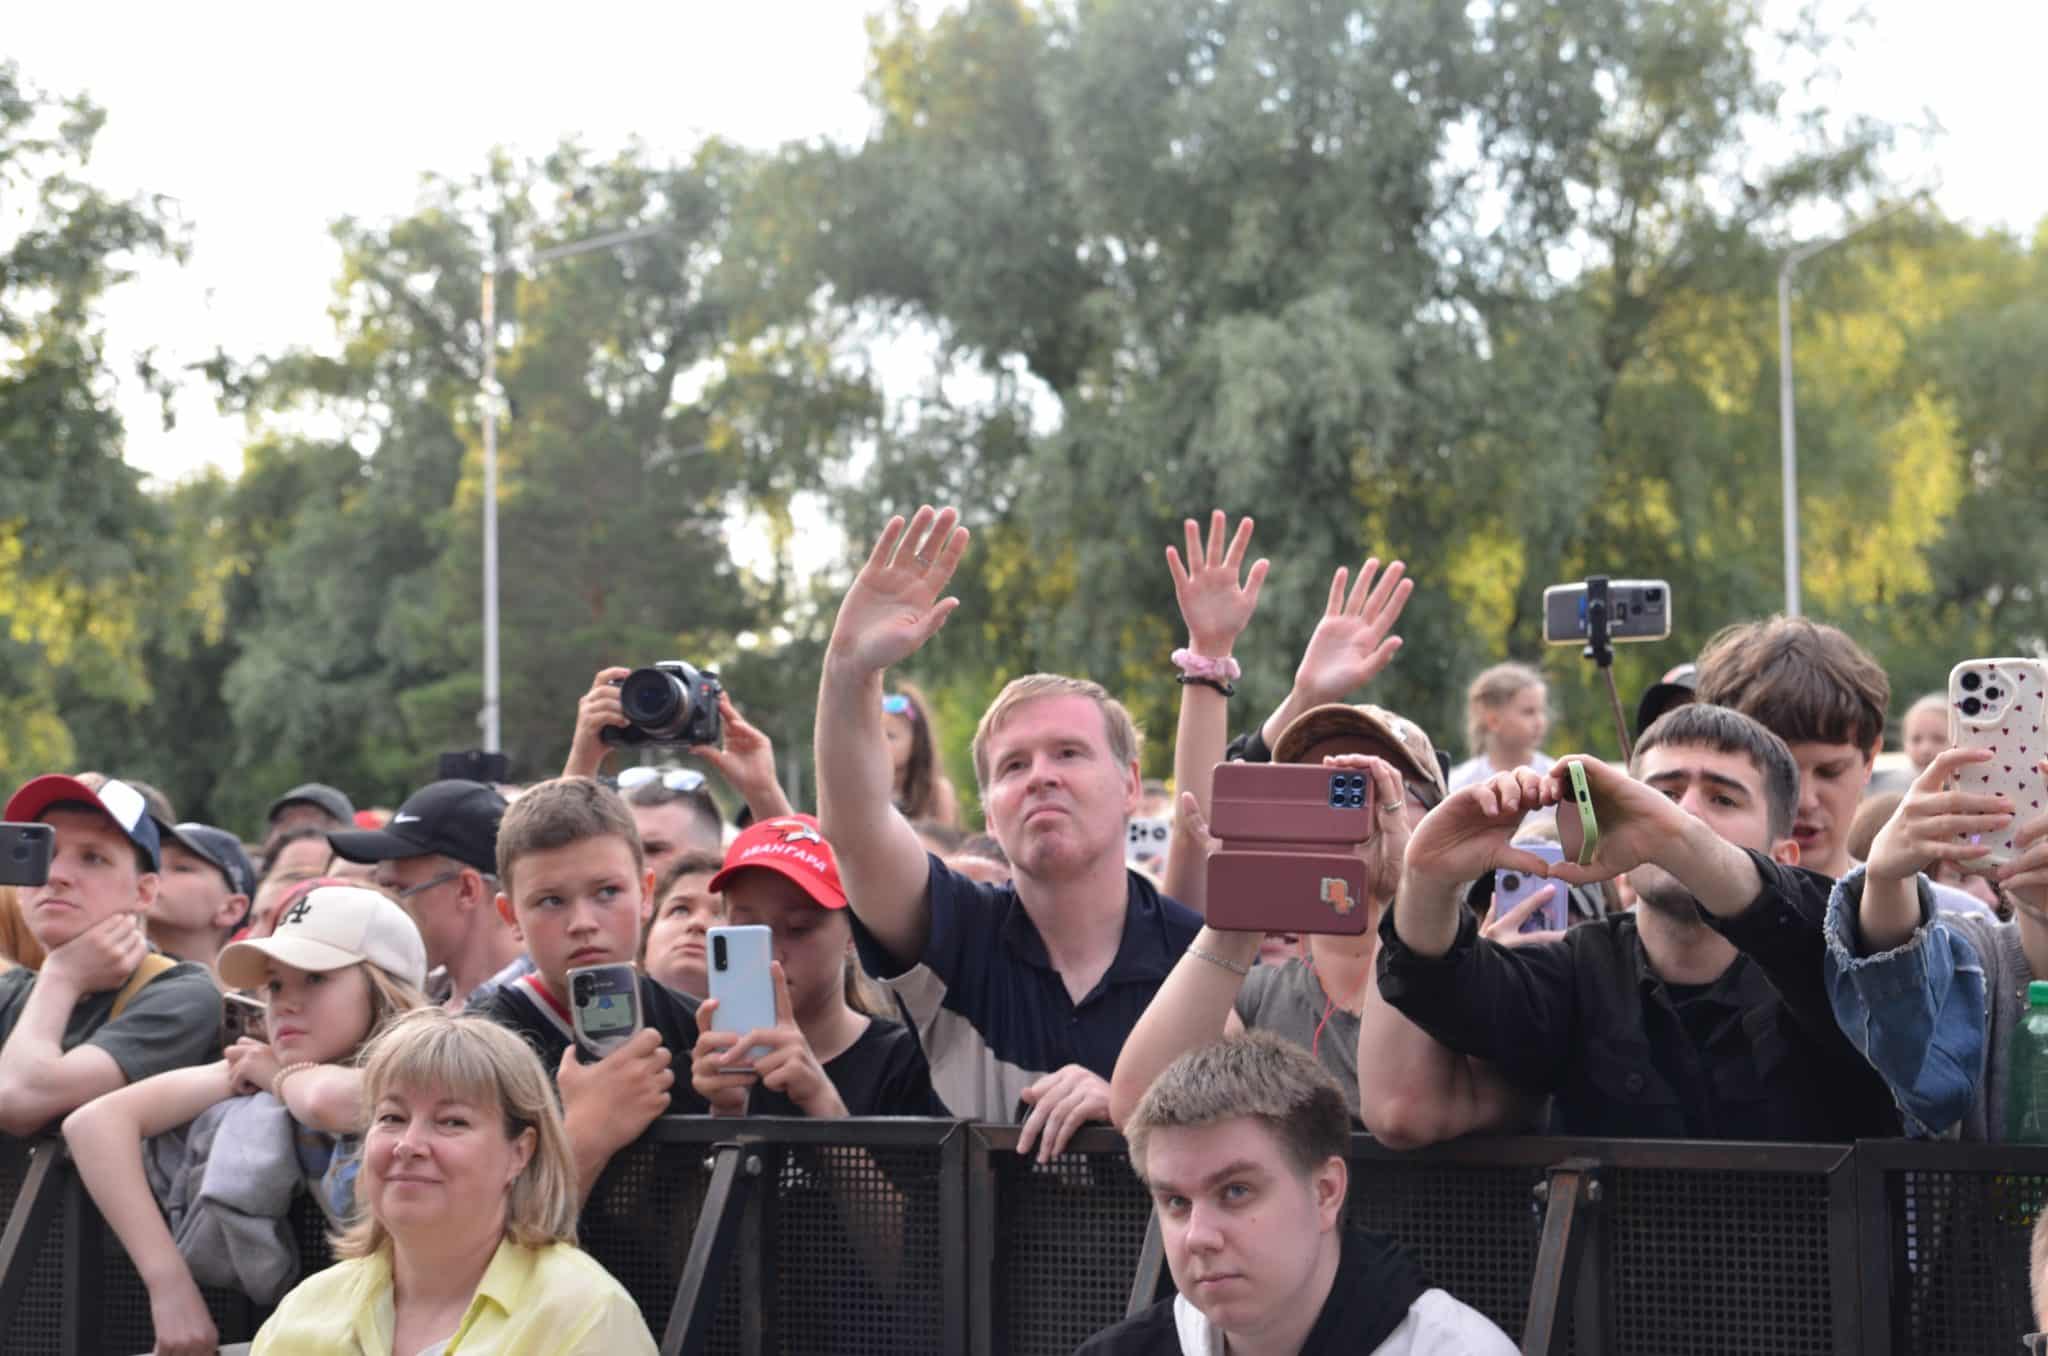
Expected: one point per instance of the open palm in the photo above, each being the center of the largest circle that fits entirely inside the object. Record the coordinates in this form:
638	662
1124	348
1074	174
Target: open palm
1213	603
1355	639
894	605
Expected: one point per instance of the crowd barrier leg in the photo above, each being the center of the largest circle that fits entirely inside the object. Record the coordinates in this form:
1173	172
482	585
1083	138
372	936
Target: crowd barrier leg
28	1225
736	1169
85	1312
1571	1198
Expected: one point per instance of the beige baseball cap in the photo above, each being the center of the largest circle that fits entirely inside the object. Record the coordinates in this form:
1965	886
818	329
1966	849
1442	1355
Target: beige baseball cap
332	927
1404	743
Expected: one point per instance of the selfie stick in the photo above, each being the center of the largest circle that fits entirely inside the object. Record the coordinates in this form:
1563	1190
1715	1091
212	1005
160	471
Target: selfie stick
1600	649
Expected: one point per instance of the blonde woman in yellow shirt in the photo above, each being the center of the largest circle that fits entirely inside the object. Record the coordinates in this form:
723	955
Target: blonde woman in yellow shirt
467	1241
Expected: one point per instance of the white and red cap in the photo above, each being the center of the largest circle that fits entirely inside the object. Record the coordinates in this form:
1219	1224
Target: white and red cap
791	846
119	801
333	927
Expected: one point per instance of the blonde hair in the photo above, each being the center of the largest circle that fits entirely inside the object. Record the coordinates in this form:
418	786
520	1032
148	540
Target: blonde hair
1254	1075
1492	690
1126	742
475	1059
390	999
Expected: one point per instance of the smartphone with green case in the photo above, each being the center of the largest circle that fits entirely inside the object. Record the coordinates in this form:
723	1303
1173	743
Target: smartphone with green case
1578	833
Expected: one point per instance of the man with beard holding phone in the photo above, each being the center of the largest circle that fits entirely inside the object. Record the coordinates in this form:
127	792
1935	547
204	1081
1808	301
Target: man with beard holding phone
1652	1023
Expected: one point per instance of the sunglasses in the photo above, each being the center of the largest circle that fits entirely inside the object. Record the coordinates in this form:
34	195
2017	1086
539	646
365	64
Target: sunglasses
896	704
683	779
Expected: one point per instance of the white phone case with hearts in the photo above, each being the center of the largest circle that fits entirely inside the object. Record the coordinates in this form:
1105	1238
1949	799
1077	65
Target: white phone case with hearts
2001	705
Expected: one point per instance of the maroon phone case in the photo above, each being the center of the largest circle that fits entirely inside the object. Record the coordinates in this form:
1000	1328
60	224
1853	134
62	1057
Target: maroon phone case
1288	858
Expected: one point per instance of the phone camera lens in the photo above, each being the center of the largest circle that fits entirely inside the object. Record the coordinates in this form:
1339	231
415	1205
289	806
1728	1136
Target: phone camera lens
1972	681
1510	883
718	952
1653	596
1970	706
585	989
1992	694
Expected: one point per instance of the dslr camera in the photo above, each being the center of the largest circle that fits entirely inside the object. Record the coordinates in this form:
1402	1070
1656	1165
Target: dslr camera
668	703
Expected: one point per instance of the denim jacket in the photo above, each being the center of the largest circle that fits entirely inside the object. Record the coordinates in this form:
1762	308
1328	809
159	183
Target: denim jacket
1917	1012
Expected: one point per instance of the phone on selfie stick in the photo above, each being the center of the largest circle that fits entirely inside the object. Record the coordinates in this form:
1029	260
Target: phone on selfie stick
1602	612
604	1006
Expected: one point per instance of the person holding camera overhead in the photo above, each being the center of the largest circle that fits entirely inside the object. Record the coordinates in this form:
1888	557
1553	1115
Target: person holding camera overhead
675	705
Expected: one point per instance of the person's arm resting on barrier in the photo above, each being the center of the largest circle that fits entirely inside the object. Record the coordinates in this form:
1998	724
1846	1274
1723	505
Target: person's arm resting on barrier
105	1137
892	609
40	1080
609	1104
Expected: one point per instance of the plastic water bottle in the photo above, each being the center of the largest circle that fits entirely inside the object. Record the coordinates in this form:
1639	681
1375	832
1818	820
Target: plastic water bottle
2026	1087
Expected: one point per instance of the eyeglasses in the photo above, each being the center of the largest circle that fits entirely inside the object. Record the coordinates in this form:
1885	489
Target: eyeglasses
409	891
2036	1342
896	704
683	779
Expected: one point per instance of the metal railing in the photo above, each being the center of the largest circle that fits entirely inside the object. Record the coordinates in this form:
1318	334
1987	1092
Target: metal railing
759	1236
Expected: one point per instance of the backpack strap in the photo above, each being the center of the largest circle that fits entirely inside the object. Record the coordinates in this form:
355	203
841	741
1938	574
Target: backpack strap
154	964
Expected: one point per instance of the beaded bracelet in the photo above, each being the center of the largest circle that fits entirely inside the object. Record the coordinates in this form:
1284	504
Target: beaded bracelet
297	1066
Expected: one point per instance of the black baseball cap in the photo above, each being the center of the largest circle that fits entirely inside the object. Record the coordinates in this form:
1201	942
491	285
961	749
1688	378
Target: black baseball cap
315	793
1675	688
219	849
453	818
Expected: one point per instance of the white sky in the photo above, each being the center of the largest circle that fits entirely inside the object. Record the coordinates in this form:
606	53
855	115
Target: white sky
268	121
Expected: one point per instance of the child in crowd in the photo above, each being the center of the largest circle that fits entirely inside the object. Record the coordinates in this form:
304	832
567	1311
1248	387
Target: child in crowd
832	1053
1926	730
685	908
577	891
342	962
921	787
1507	713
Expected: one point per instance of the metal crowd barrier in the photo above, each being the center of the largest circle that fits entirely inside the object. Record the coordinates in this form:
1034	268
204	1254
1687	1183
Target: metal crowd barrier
805	1237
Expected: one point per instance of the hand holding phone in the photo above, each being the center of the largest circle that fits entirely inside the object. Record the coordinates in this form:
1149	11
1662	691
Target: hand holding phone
1288	856
1578	828
1512	888
604	1005
740	981
2001	707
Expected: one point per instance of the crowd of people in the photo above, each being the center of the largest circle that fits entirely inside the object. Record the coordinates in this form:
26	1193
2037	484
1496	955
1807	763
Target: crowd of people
376	1009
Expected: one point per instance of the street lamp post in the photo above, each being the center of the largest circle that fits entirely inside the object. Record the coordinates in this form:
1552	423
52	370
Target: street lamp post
1788	432
490	717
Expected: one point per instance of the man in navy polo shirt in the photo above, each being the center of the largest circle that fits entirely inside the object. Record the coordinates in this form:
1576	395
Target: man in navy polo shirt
1022	994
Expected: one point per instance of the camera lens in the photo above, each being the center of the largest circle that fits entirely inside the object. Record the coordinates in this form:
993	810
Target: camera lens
1972	681
1992	694
718	953
20	853
585	988
1510	883
655	700
1970	706
1653	596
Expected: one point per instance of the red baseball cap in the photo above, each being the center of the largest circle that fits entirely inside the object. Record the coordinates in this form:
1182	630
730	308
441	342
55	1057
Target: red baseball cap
791	846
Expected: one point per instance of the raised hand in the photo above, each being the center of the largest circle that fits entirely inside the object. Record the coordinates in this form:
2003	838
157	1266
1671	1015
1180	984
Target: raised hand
1355	639
1935	823
1214	604
894	605
1637	822
746	761
598	711
1472	833
1387	851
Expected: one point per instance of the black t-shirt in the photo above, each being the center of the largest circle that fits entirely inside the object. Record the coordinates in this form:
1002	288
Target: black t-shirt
522	1007
883	1073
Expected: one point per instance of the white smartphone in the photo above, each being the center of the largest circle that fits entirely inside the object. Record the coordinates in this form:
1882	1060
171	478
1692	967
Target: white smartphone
1510	888
741	983
604	1004
2001	705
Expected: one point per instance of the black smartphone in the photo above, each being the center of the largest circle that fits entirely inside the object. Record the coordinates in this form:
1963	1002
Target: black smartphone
474	765
25	853
1637	609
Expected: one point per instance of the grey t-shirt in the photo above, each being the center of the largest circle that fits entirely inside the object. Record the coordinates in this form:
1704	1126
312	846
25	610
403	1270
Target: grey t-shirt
1288	1000
173	1022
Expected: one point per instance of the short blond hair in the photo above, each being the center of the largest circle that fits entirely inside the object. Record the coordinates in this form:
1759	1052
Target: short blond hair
475	1059
1254	1075
1126	741
560	812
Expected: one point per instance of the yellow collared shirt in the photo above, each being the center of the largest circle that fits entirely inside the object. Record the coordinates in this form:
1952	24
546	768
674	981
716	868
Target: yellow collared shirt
551	1301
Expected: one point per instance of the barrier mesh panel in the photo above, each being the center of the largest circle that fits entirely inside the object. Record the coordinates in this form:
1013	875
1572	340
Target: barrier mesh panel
856	1263
639	1221
1067	1245
1719	1263
1474	1230
1959	1260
